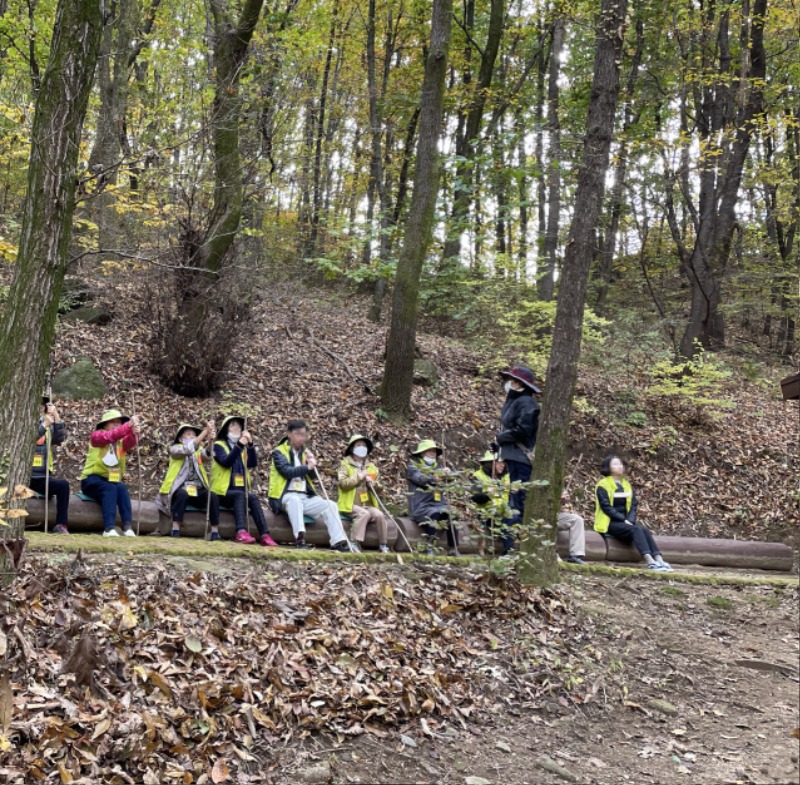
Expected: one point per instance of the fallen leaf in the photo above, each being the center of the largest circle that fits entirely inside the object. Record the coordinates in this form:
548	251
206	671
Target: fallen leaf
501	745
63	772
101	728
220	771
6	702
193	644
3	643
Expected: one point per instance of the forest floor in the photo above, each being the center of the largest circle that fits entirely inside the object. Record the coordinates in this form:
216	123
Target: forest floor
133	667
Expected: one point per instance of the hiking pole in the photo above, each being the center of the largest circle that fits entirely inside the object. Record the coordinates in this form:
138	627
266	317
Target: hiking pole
449	517
391	517
327	499
138	466
210	474
246	480
47	448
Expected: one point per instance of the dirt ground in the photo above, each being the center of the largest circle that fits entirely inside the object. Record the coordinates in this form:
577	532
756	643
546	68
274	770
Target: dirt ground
680	643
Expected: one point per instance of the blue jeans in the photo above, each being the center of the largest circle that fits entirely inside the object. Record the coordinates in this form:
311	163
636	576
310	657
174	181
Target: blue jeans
518	472
111	496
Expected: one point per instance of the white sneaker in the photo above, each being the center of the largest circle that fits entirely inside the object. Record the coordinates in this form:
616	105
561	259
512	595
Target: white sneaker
129	533
111	533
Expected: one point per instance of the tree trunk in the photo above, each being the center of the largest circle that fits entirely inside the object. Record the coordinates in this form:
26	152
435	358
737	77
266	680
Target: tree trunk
106	155
538	565
29	317
550	246
466	147
399	369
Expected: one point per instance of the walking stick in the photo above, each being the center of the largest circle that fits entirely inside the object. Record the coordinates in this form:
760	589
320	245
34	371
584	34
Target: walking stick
327	499
208	490
574	472
246	481
449	517
138	467
47	447
386	512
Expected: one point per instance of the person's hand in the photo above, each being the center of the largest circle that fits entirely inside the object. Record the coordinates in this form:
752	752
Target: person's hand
211	427
246	438
47	421
52	412
371	476
311	461
136	421
362	476
564	496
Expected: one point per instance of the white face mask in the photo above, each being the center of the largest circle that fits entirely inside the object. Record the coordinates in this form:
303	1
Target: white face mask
110	458
187	441
508	387
360	451
429	461
234	437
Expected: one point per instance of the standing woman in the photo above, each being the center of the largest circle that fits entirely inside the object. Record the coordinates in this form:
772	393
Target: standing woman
112	439
51	432
616	512
520	423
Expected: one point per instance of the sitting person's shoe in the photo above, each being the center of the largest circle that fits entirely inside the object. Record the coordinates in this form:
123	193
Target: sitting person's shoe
129	533
243	536
341	547
575	559
383	548
110	533
214	537
664	566
176	532
355	547
654	566
267	541
60	529
300	542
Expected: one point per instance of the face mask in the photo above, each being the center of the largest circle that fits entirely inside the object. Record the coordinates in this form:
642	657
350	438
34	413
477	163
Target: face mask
360	451
233	438
110	458
429	461
187	442
507	387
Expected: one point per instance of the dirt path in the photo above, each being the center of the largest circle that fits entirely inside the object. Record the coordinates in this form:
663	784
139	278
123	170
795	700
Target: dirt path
732	724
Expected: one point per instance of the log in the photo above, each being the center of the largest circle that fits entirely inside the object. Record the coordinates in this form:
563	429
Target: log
708	552
85	518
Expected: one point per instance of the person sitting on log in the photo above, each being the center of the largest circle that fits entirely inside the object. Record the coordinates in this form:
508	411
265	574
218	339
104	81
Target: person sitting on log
292	491
112	439
616	513
574	524
357	480
427	505
186	481
231	482
491	493
51	432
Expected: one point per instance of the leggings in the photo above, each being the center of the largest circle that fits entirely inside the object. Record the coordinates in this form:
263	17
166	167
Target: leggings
640	535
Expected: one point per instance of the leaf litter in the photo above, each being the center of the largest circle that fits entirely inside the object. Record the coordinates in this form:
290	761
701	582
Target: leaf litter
123	671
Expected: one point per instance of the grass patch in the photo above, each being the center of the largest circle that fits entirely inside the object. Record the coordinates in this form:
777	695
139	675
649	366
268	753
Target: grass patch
720	603
671	591
768	601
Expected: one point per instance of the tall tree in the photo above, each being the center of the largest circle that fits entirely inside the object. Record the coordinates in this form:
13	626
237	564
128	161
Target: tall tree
29	319
538	565
398	371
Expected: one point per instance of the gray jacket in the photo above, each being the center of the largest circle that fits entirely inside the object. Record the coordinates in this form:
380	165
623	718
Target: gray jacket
164	500
422	492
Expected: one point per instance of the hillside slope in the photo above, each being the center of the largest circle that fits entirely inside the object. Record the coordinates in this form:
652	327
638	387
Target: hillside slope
735	476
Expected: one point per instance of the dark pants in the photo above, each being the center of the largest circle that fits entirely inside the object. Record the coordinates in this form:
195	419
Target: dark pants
503	528
640	535
518	472
57	488
111	496
236	499
432	530
180	500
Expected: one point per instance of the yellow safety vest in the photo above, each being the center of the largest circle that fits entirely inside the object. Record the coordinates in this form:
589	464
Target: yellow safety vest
348	498
221	476
609	484
94	461
277	482
175	465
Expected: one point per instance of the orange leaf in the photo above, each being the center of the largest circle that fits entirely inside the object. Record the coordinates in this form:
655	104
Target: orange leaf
220	771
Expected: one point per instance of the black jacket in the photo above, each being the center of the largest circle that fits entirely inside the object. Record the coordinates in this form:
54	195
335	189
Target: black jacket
520	420
616	511
57	435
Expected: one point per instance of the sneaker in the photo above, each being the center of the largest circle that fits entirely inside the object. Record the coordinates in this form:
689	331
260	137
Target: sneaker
244	537
214	536
354	546
576	560
60	529
664	567
267	541
341	547
110	533
383	548
176	532
300	542
129	533
654	566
